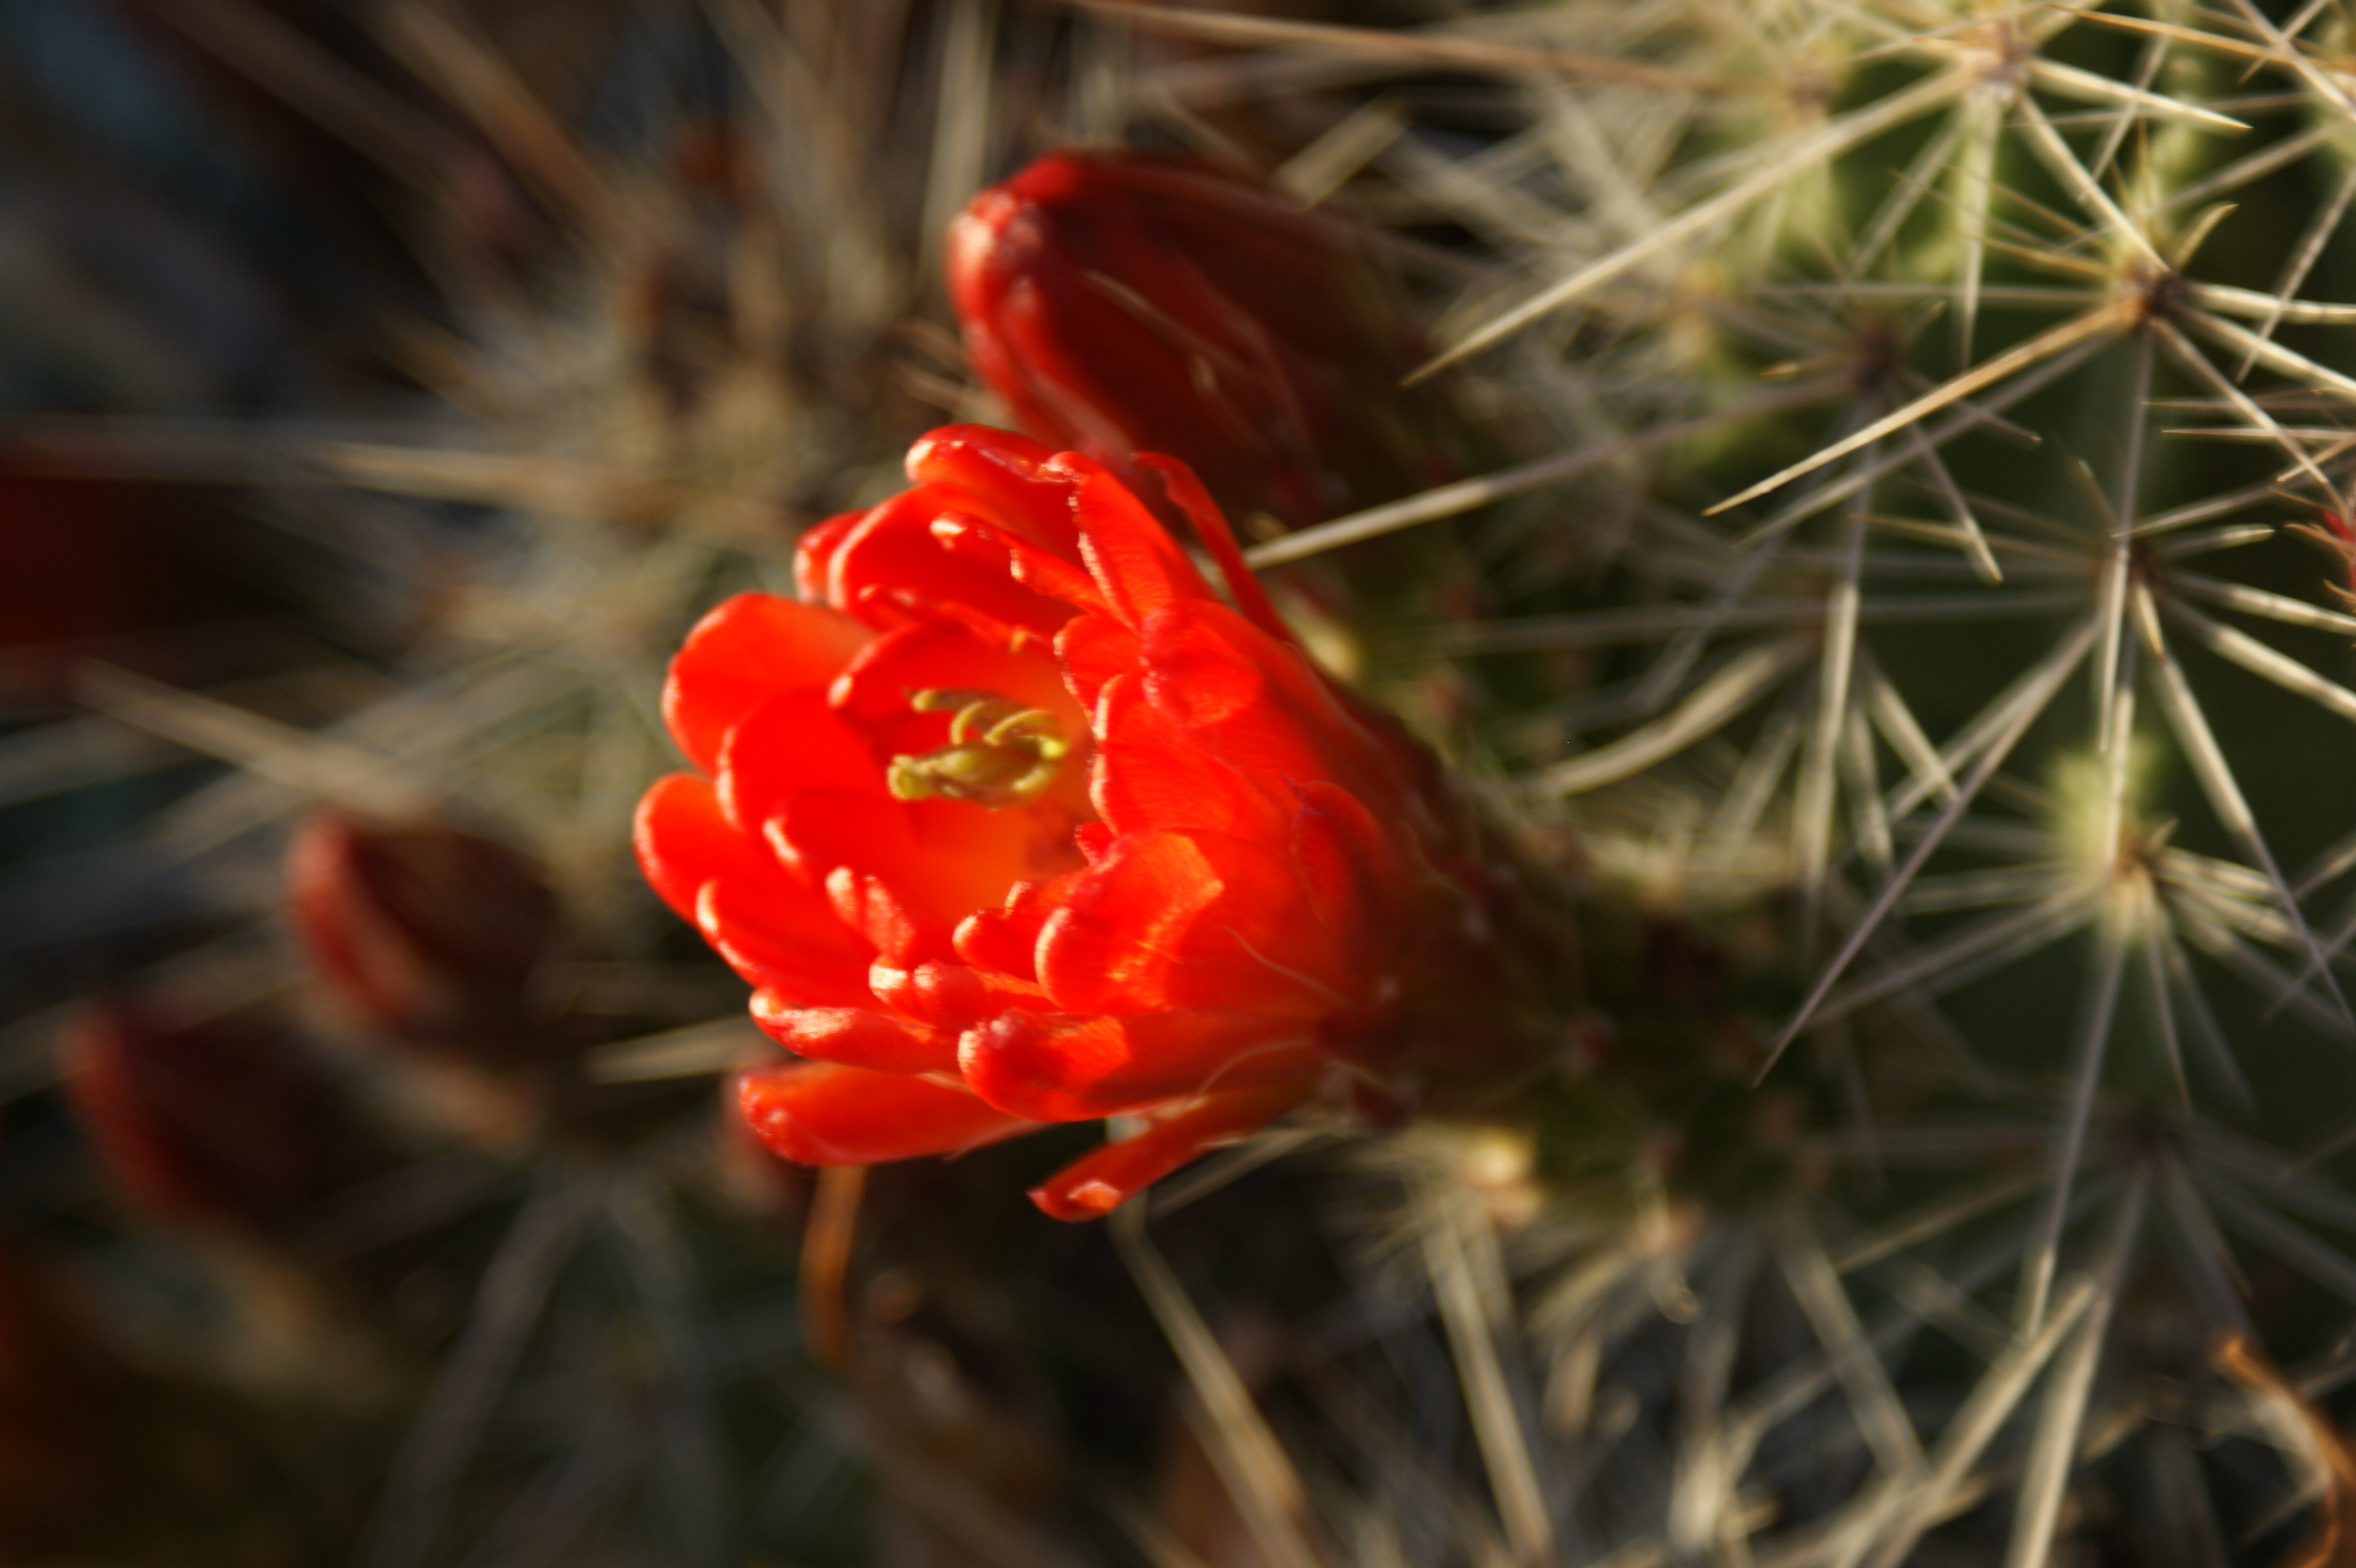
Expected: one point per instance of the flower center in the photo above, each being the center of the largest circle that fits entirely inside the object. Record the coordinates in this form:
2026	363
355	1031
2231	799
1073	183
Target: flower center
1000	753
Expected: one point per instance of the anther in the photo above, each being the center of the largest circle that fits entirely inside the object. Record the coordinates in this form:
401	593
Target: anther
1000	753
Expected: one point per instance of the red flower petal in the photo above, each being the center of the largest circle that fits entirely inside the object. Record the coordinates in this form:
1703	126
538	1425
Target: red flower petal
789	944
1100	1182
1132	556
753	648
941	859
1259	702
1007	939
814	831
1092	649
684	840
1151	773
855	1037
867	905
1177	920
889	569
790	743
819	1113
1042	572
1353	871
1210	524
953	996
1112	951
999	474
814	556
771	928
1064	1068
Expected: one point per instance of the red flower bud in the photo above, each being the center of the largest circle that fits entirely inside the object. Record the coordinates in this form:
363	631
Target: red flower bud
222	1121
1011	820
428	933
1122	302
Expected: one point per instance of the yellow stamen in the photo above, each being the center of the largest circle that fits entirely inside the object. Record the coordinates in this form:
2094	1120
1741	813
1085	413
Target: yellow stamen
1000	753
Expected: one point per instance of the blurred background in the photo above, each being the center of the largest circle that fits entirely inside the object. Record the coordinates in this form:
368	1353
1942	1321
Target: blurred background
386	386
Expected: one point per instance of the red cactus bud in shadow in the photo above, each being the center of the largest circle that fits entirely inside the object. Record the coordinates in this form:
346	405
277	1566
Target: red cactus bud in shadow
222	1123
428	933
1123	302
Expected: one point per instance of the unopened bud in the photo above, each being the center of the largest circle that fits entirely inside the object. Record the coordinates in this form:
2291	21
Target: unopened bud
431	934
1123	302
222	1122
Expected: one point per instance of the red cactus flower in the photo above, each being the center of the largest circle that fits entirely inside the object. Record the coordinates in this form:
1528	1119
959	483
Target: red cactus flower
430	933
1122	302
1011	820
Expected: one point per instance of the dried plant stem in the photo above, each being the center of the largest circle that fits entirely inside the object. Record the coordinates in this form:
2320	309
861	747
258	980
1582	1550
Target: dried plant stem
826	1261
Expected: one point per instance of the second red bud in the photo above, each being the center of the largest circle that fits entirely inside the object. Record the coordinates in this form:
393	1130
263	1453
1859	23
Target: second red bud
1125	301
430	934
